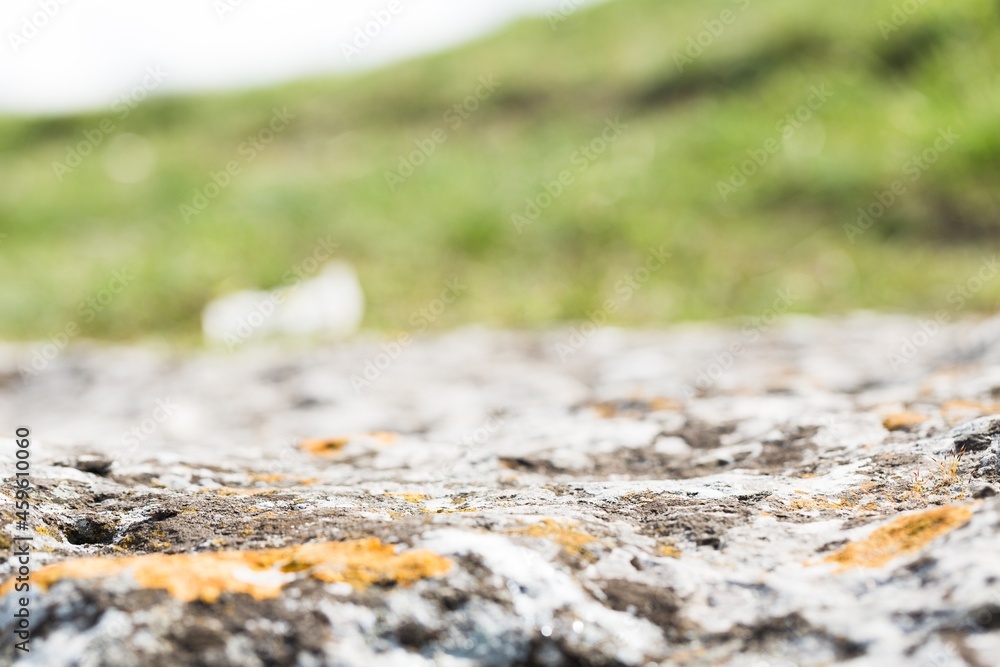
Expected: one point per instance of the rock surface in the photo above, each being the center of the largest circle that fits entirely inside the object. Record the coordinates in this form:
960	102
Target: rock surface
823	492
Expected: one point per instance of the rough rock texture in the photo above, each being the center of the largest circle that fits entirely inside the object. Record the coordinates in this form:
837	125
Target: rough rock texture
821	493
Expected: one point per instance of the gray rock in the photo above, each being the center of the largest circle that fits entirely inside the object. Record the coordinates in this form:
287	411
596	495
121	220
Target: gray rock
983	490
636	502
977	435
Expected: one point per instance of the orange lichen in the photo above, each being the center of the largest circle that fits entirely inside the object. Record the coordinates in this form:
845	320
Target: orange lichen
610	409
267	478
961	405
371	562
333	446
323	446
605	410
663	403
808	504
565	535
275	478
260	574
903	420
906	534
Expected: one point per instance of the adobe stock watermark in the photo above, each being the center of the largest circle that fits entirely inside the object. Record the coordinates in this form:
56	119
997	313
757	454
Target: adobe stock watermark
469	443
145	429
247	152
565	9
723	362
914	168
901	13
225	7
44	354
713	29
364	34
454	118
266	307
419	319
121	107
958	296
625	289
581	159
979	619
786	127
33	24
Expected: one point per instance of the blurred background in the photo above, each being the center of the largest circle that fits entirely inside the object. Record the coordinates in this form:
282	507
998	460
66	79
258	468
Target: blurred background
846	154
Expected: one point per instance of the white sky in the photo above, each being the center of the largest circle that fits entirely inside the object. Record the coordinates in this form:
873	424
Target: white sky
89	52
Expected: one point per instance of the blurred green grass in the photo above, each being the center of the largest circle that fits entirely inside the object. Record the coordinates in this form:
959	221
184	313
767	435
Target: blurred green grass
657	184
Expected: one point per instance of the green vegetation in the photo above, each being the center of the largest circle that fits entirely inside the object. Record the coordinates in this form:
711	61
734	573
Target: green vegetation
689	125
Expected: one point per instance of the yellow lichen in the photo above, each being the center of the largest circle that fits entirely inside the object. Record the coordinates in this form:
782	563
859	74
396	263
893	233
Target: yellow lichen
260	574
669	550
230	491
906	534
409	497
565	535
643	496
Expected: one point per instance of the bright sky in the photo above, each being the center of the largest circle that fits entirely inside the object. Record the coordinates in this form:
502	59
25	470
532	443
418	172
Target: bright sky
60	55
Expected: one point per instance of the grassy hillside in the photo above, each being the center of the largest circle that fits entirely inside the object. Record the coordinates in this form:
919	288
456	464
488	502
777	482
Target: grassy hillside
697	93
